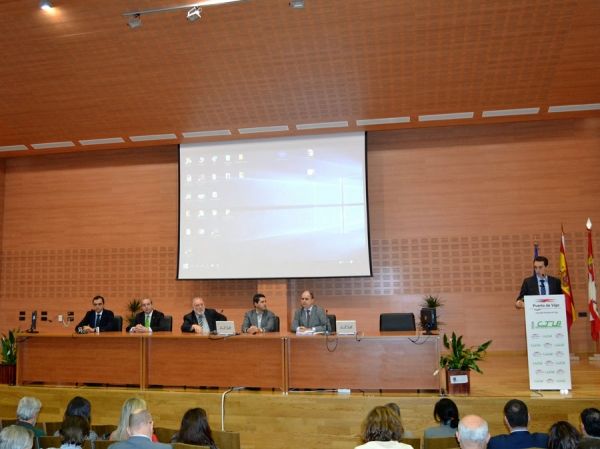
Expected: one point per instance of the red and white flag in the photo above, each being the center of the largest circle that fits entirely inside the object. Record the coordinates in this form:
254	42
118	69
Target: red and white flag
565	281
593	305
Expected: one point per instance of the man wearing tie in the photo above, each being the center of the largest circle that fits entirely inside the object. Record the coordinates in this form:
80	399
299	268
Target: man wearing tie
97	318
148	320
201	320
309	318
540	283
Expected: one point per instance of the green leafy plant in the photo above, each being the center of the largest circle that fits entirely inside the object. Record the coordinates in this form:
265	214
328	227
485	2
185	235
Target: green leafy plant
461	357
9	347
133	307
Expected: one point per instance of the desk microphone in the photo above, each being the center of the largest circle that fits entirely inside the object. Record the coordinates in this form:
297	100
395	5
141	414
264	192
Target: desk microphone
327	324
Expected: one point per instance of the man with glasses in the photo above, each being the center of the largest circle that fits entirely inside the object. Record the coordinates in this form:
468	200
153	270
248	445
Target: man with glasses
98	319
201	320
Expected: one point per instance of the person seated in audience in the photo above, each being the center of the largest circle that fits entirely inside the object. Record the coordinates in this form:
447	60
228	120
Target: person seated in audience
79	406
446	413
395	408
563	435
590	427
73	432
16	437
516	418
141	430
195	429
472	432
382	429
130	406
27	415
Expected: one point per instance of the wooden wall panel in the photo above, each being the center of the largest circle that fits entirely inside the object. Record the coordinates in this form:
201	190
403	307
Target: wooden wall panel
454	211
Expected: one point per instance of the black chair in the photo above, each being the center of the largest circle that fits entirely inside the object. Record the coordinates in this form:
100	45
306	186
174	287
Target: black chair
332	323
276	321
118	323
397	322
169	324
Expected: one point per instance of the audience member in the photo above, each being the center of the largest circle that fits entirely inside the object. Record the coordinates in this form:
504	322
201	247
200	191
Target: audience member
590	427
563	435
73	432
16	437
27	414
79	406
516	418
446	413
130	406
260	319
148	320
201	320
382	429
195	429
309	317
472	432
140	429
98	319
396	409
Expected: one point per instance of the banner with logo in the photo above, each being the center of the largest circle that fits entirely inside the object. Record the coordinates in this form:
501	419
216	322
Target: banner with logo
547	342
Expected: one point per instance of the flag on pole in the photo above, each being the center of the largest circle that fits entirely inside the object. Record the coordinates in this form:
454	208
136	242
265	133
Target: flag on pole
593	305
536	252
565	281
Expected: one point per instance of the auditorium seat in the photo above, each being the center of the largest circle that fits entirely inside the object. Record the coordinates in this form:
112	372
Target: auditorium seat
52	427
440	443
332	322
169	322
52	441
397	322
414	442
87	444
276	321
118	323
226	440
164	434
189	446
104	429
103	444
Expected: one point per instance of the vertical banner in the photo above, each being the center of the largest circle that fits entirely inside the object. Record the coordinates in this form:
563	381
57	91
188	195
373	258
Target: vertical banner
547	342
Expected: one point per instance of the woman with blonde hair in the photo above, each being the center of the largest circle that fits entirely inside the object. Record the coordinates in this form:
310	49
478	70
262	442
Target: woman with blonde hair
382	430
130	406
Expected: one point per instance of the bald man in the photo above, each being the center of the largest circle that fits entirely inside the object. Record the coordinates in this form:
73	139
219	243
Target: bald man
472	432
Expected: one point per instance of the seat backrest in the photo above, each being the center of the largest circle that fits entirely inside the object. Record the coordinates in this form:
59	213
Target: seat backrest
118	323
103	444
188	446
87	444
226	440
414	442
103	429
397	322
276	321
332	323
169	322
440	443
52	427
46	442
164	434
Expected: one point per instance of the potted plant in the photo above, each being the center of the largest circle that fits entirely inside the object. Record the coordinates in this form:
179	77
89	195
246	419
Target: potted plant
431	302
8	366
459	363
133	307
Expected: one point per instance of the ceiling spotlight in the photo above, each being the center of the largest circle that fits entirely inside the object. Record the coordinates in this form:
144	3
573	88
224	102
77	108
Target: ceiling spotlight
194	13
135	21
45	5
297	4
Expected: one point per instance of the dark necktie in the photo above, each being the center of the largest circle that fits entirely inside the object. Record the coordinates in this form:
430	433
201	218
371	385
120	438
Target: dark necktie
308	318
201	321
542	288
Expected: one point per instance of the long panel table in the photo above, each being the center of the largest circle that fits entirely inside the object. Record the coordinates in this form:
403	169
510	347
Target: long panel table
391	360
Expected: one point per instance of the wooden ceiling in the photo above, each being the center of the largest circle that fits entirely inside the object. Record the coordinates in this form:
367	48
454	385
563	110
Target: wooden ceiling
78	73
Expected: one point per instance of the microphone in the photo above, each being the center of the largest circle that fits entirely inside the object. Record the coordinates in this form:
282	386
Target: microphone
327	323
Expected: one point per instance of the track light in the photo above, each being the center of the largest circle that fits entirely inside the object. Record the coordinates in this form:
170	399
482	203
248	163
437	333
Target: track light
297	4
194	13
134	21
45	5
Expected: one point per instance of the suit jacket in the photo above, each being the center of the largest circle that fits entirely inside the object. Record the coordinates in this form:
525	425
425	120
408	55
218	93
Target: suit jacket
251	319
518	440
107	322
139	442
211	315
531	286
157	321
318	319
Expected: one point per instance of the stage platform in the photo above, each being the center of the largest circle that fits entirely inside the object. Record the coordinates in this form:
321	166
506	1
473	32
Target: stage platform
269	419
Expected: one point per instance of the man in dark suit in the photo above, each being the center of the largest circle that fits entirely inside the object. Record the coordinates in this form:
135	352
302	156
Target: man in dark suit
140	432
97	318
540	283
309	318
516	418
148	320
201	320
590	429
472	432
260	319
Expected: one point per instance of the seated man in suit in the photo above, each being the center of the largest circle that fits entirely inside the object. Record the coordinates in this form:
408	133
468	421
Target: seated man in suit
140	432
540	283
201	320
516	418
149	320
309	317
260	319
472	432
97	318
590	429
